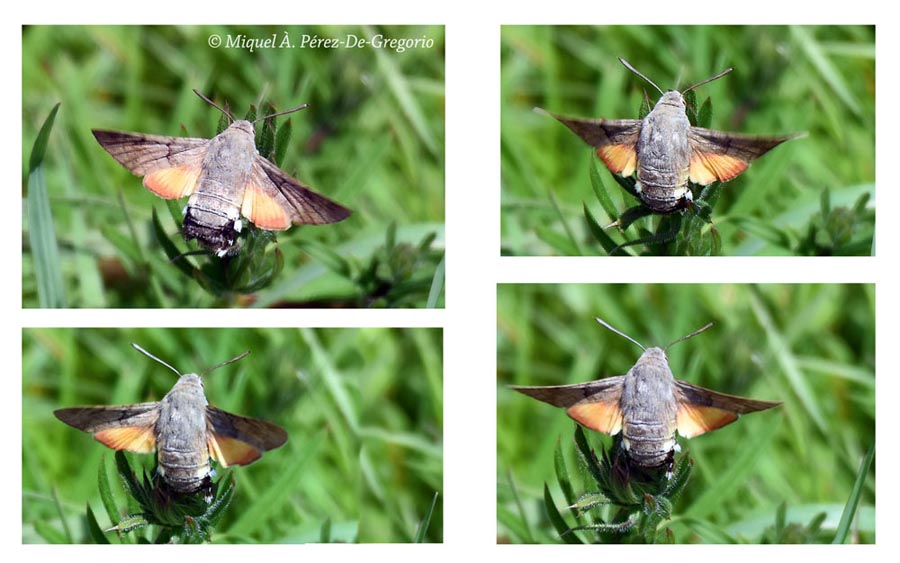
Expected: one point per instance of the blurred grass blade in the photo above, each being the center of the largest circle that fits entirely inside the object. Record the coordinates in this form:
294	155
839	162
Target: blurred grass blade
740	469
325	532
843	529
62	518
426	520
565	224
399	86
270	501
41	231
526	527
788	362
828	72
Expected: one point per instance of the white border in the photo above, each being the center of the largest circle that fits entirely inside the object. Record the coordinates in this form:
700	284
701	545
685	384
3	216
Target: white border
473	267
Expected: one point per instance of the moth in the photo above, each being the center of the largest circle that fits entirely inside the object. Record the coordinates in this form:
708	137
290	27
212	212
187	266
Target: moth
183	429
667	151
647	405
226	179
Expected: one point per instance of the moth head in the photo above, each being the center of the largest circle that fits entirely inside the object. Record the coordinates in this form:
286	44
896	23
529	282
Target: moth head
672	98
654	353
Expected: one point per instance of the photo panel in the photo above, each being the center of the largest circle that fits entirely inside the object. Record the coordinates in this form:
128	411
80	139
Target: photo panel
344	442
338	205
607	148
777	397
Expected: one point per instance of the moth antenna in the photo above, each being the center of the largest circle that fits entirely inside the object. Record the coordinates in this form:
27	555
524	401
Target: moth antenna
152	357
215	105
225	363
620	333
695	333
292	110
701	83
634	70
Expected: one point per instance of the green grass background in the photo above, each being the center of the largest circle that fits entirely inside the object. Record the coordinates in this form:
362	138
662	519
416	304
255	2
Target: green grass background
362	407
810	346
786	80
372	139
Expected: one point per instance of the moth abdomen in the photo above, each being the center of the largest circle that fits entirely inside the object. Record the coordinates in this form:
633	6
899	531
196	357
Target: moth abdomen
215	229
183	471
648	444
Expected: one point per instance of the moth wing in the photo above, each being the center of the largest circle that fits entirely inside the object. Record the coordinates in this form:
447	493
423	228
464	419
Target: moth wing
716	155
170	165
128	427
274	201
594	405
614	139
702	410
238	440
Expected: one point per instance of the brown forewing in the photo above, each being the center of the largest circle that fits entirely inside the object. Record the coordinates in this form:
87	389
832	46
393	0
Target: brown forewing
143	154
260	434
716	155
702	410
304	206
126	427
595	404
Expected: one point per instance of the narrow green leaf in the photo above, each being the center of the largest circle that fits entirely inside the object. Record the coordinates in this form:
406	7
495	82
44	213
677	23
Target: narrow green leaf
704	116
437	286
282	140
426	520
608	244
600	191
41	231
170	249
265	139
39	149
106	496
563	529
562	474
843	529
94	528
690	102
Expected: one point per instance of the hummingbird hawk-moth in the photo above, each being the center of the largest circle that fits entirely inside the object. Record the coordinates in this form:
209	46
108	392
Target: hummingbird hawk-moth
666	151
183	429
225	177
647	405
